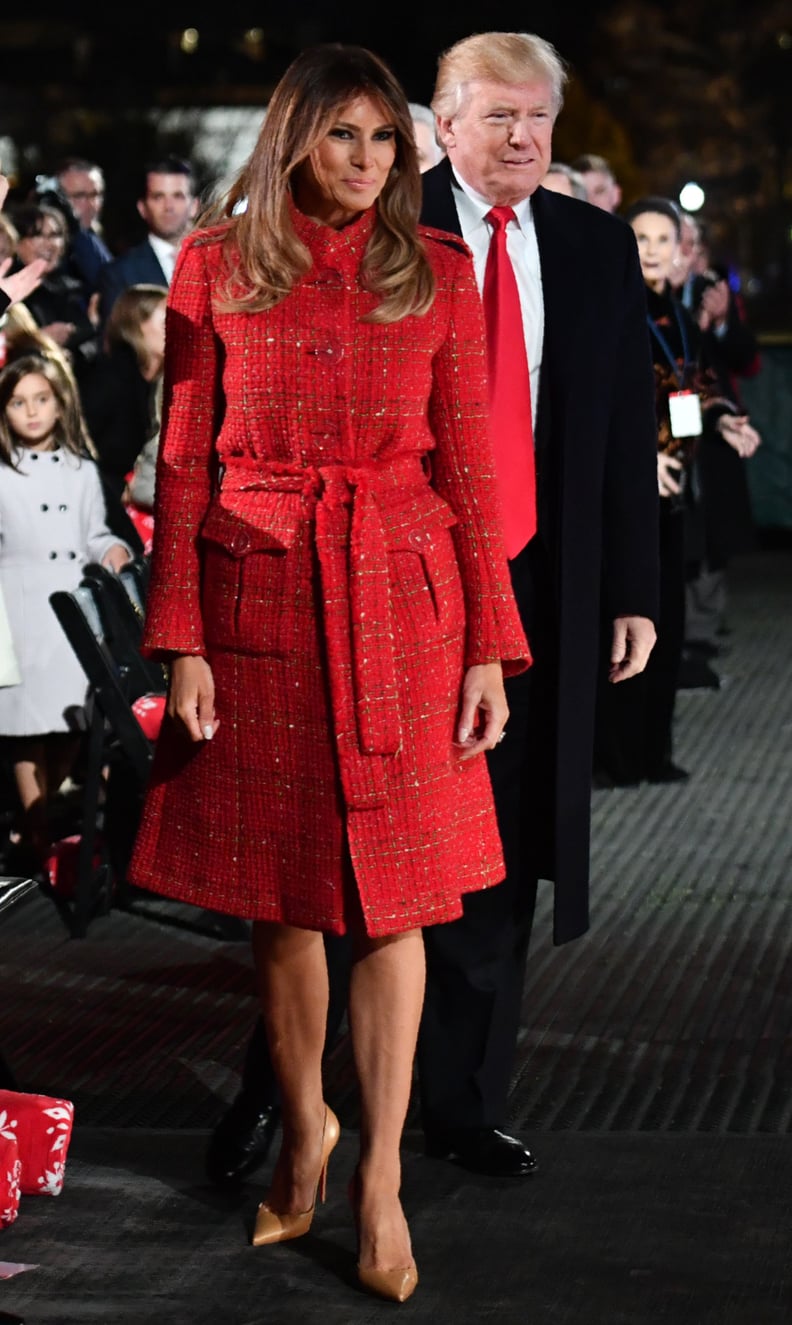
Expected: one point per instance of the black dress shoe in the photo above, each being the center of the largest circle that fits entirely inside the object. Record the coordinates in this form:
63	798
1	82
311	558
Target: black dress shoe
481	1150
667	772
240	1142
696	674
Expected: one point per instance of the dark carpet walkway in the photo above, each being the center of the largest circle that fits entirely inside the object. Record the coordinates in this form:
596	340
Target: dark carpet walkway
653	1077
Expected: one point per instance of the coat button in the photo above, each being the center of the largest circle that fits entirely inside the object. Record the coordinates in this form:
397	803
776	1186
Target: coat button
44	506
240	543
63	506
419	539
71	555
53	555
56	459
330	350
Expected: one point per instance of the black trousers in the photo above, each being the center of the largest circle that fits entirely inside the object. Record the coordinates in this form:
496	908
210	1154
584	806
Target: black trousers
475	966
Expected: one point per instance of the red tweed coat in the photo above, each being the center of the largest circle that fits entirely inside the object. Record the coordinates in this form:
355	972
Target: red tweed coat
327	536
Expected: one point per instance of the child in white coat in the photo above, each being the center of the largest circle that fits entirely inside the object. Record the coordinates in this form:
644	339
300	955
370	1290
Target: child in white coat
52	521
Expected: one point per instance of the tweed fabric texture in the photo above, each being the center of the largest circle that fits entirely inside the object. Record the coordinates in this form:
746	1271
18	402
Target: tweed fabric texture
328	536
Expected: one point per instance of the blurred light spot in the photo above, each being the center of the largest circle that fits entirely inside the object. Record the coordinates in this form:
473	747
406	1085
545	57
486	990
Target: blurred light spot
188	42
691	197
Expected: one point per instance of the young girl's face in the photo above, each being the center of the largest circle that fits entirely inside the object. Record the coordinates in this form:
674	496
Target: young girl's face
33	412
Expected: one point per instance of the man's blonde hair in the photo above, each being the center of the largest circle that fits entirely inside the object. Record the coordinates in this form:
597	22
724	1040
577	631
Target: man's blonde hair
503	57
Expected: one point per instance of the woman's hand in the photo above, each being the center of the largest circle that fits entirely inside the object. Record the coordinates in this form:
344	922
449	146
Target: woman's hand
191	697
483	710
116	557
22	282
738	433
60	331
669	471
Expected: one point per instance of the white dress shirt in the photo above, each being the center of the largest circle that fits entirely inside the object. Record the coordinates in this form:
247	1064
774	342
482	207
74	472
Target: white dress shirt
523	249
166	254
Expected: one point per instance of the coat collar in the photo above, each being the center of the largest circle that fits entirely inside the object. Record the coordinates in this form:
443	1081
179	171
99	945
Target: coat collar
438	208
345	247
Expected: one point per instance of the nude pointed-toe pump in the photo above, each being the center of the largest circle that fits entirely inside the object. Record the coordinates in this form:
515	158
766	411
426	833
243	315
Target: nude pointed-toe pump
395	1285
271	1226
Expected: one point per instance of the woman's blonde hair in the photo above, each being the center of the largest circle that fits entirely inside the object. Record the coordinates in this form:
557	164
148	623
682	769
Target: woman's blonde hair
264	254
70	428
503	57
132	308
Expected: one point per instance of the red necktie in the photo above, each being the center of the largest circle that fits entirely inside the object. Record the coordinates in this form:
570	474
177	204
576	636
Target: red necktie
510	389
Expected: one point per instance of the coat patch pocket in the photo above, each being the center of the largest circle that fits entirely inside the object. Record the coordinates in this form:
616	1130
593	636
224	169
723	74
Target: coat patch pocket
250	590
427	580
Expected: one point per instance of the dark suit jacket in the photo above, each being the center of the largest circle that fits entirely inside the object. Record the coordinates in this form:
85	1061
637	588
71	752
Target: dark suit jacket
597	493
138	266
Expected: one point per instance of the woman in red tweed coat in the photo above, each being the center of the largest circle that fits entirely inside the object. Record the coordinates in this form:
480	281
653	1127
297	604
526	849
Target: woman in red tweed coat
330	583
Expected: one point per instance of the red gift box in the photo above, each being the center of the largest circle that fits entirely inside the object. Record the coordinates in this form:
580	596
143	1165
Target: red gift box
61	864
144	524
10	1171
149	711
42	1128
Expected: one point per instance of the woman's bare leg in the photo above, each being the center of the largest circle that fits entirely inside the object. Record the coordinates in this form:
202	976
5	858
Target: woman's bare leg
30	776
385	1001
62	750
291	974
40	766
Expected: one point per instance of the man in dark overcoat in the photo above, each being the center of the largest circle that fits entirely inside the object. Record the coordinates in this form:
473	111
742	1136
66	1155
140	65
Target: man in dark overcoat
583	308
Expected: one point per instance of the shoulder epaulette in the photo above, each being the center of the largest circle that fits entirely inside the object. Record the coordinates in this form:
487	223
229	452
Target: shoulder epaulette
444	237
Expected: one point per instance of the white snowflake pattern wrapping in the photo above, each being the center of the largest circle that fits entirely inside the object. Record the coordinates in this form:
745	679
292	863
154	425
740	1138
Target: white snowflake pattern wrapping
10	1172
40	1127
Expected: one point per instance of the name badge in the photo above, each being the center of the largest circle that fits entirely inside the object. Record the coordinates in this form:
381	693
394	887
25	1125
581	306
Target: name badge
684	412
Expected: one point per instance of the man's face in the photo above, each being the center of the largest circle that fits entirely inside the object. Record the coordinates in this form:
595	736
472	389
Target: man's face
169	207
602	190
85	190
428	151
687	252
557	182
501	141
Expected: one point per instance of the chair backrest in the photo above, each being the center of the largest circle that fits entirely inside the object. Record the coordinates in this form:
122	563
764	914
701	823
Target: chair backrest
131	584
122	620
110	668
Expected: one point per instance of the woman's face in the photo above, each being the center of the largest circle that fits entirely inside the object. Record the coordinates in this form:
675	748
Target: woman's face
153	334
658	246
347	172
33	411
49	244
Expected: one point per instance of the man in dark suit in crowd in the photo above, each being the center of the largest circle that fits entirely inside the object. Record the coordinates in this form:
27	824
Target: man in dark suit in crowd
168	205
591	414
82	184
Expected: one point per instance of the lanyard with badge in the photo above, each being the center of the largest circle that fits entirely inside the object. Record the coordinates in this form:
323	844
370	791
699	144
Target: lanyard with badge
684	407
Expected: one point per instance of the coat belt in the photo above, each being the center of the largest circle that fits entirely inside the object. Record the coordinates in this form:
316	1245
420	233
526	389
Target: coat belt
347	504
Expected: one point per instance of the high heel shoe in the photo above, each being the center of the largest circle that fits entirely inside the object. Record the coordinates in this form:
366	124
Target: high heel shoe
395	1285
271	1226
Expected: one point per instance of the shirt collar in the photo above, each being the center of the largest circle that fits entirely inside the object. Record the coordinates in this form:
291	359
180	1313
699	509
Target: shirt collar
166	253
473	208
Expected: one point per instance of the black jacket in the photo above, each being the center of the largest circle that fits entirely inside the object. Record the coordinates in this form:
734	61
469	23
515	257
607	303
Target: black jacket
596	479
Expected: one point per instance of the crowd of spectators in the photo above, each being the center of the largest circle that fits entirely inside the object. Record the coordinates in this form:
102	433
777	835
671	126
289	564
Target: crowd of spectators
102	315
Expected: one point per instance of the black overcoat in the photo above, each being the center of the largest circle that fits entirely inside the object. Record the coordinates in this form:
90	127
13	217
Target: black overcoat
596	445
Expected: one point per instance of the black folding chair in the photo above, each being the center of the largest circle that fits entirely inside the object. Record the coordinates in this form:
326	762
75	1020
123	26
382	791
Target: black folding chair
118	751
122	612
